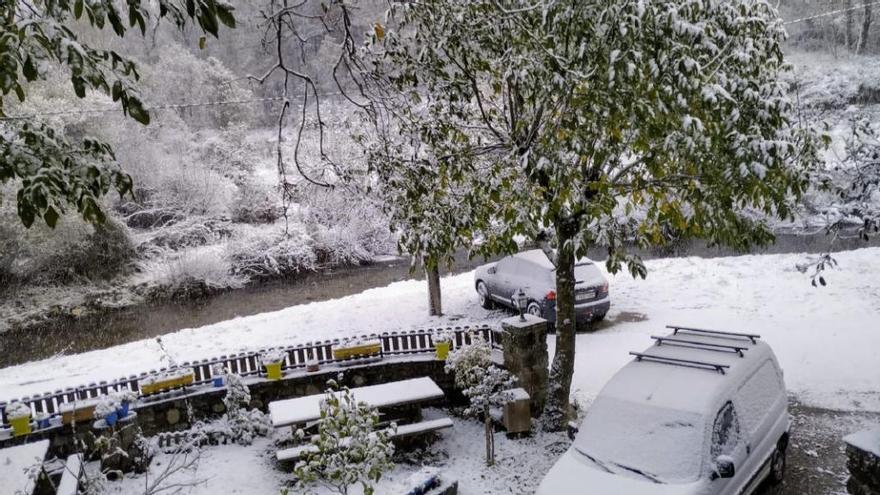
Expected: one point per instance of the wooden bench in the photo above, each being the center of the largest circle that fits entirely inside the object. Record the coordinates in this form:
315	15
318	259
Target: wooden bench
73	470
421	428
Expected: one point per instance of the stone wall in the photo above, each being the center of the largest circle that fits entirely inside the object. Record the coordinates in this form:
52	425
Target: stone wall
863	464
169	413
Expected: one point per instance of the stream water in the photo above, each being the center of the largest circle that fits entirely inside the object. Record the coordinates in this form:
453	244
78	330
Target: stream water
74	335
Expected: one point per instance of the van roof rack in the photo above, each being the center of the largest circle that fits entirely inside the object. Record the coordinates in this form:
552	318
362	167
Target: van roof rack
696	344
702	331
640	356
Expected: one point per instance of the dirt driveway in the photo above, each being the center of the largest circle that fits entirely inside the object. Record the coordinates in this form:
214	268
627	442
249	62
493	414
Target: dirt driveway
816	454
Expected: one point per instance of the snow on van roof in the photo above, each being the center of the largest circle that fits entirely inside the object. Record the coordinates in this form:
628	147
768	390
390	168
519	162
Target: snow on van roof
538	257
687	388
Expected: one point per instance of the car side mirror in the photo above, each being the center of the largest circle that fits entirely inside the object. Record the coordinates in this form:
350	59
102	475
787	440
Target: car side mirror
572	430
724	467
491	271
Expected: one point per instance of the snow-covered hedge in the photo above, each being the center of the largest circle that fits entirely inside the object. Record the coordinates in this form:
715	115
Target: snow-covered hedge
71	252
347	230
263	253
201	269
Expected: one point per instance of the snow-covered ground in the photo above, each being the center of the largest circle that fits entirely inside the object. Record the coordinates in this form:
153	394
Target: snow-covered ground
519	466
827	339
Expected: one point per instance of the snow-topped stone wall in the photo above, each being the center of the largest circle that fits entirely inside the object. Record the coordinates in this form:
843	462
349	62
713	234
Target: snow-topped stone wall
863	462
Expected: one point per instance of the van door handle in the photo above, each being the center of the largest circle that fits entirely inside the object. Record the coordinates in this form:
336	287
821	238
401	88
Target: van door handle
748	448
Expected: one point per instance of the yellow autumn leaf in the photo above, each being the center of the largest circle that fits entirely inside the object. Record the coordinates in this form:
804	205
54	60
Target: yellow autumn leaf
379	30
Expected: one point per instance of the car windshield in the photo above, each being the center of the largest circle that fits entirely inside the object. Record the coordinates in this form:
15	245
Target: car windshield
654	443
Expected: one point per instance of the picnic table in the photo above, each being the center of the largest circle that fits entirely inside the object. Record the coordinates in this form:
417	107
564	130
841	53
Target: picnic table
302	410
17	461
405	392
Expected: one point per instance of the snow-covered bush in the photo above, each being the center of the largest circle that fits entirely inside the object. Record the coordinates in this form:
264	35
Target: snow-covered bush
255	202
192	189
177	75
469	361
351	450
484	384
241	424
347	229
268	252
188	232
231	152
72	251
191	272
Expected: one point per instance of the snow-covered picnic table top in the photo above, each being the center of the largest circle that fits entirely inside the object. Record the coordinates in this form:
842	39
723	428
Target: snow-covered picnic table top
15	463
304	409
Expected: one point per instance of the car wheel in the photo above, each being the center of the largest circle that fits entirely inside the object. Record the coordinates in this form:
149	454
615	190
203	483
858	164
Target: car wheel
483	292
534	309
777	464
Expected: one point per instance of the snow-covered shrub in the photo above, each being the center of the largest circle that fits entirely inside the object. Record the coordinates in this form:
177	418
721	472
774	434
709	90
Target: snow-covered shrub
72	251
347	229
469	361
267	252
193	189
178	75
191	272
189	232
351	450
230	152
255	202
241	424
485	385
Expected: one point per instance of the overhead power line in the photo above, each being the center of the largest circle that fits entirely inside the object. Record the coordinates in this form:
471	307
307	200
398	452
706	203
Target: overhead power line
830	13
175	106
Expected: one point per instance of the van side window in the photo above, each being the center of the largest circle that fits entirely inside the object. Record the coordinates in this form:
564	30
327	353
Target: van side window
757	396
725	431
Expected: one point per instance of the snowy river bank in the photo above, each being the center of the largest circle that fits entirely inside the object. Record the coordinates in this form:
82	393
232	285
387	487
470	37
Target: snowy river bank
68	325
826	338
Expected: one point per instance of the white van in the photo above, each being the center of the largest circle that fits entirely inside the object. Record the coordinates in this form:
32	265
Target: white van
699	412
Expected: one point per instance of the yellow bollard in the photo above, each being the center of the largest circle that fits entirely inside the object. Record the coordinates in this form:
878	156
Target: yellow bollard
20	425
442	349
273	371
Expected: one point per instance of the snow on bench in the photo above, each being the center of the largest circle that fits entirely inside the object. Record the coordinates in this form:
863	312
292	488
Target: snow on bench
73	467
295	453
304	409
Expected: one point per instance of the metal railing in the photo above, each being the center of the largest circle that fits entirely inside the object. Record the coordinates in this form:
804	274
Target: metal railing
248	364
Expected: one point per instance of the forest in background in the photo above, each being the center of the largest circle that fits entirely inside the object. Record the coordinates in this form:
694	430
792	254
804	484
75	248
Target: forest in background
207	212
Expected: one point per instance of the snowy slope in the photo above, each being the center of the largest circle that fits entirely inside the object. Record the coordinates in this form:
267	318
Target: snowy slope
827	339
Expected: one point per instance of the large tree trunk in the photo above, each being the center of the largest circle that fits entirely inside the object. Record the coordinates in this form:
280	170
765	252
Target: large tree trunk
866	30
848	30
432	273
556	410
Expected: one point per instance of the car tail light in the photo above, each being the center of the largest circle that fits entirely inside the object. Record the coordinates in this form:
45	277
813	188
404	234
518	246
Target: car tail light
551	296
605	287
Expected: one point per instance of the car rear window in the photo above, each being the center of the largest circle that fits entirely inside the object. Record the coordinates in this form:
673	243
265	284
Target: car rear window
586	272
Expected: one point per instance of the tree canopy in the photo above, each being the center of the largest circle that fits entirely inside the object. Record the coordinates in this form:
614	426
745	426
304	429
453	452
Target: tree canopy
611	122
37	37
